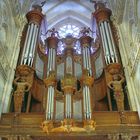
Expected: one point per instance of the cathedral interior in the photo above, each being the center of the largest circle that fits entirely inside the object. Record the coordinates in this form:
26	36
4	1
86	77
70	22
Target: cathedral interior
70	70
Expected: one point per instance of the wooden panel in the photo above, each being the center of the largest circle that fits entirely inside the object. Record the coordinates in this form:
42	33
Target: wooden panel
38	89
100	88
106	122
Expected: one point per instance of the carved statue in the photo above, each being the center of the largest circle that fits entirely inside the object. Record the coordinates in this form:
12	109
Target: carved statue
47	126
116	86
85	31
22	86
53	32
26	73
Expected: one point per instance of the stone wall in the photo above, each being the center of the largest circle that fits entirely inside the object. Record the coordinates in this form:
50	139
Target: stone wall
11	24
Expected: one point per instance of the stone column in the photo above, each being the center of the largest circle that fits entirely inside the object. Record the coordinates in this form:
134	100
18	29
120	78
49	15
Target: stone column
34	18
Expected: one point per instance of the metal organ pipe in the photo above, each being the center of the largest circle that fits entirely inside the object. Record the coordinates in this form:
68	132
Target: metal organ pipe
105	40
66	106
48	62
87	66
50	81
84	59
112	40
103	20
104	47
86	106
31	45
24	48
84	101
34	18
109	41
28	44
52	101
90	71
50	68
48	104
34	45
53	59
89	102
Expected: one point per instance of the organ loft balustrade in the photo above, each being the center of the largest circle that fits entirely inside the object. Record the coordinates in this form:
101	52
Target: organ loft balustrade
81	93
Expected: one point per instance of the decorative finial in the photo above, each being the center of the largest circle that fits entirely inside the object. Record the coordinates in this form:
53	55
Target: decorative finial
37	7
98	4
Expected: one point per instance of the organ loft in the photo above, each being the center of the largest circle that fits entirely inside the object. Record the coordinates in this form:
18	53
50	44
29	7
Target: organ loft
82	91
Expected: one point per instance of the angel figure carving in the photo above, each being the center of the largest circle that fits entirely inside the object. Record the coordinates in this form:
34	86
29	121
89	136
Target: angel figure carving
116	86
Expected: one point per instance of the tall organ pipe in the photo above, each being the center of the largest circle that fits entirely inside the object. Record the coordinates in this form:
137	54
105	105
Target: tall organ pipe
34	18
102	15
26	39
33	50
112	54
50	79
113	44
105	40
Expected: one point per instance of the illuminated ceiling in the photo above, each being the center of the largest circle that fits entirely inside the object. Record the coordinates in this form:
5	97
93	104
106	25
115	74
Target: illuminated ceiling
59	12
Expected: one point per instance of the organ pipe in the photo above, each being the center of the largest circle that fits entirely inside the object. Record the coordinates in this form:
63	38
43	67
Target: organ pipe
34	18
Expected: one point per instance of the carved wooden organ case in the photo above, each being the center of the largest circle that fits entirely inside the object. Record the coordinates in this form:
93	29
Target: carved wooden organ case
68	79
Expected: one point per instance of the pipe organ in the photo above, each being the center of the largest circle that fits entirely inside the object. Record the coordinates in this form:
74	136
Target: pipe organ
77	87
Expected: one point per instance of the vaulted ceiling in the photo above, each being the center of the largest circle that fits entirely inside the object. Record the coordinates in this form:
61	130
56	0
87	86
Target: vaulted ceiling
61	11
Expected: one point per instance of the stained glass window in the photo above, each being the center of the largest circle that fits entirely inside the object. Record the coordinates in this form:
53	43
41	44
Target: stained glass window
69	29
